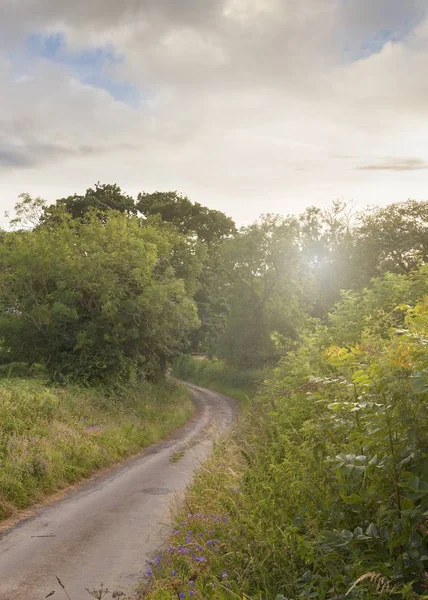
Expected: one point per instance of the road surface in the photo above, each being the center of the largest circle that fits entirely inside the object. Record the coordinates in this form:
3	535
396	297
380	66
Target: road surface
106	529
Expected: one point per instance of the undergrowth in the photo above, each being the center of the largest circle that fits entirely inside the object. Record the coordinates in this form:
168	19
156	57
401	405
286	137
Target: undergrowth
219	376
322	490
51	437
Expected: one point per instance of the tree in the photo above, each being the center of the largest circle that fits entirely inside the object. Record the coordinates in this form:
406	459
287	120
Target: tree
101	198
190	218
326	239
391	238
204	230
29	211
376	307
95	300
265	291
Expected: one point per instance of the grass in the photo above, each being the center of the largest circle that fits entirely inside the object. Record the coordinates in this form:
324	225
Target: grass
204	556
53	437
321	491
216	375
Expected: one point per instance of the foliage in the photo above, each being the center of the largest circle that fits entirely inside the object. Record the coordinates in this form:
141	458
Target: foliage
326	240
392	238
97	200
29	211
265	291
217	375
92	300
324	482
190	218
51	437
322	490
376	308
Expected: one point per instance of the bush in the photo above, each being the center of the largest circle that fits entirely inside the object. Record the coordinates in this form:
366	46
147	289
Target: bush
217	375
322	492
15	369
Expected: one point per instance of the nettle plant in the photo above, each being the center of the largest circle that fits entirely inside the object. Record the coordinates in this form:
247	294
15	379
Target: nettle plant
376	407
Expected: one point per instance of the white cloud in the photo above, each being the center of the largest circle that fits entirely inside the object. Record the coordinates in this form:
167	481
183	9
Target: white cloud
248	105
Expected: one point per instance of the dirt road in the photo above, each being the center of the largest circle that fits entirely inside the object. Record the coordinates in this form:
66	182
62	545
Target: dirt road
107	529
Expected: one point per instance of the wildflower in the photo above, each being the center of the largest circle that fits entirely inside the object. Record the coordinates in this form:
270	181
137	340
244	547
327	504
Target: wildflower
191	593
200	559
224	575
174	573
181	595
149	572
191	583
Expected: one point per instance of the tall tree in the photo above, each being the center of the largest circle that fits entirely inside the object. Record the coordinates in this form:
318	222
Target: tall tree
390	238
95	300
190	218
99	199
265	291
326	239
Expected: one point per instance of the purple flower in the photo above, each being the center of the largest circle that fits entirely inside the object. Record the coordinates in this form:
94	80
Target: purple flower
174	573
191	583
224	575
191	593
149	572
181	595
200	559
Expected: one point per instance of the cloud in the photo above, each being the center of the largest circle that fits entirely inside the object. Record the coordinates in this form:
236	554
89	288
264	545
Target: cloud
368	25
243	104
397	164
25	155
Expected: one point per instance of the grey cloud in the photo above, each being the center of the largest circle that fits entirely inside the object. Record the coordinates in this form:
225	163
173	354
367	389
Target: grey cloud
27	155
204	43
247	99
26	15
10	158
397	164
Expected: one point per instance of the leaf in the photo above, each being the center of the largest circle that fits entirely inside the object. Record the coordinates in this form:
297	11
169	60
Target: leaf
371	530
419	383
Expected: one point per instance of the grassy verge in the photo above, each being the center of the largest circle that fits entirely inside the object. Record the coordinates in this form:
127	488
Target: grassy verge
53	437
322	489
218	376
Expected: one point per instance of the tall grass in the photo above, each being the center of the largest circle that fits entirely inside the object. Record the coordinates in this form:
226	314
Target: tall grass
51	437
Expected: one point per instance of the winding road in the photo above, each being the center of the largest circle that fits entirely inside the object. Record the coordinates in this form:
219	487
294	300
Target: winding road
108	528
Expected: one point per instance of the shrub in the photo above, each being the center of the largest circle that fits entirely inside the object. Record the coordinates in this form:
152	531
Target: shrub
324	483
218	375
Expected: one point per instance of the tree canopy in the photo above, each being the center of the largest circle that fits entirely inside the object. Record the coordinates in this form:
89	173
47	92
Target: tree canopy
189	218
93	300
100	285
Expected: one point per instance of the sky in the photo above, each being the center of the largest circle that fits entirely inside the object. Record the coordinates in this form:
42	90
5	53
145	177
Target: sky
246	106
